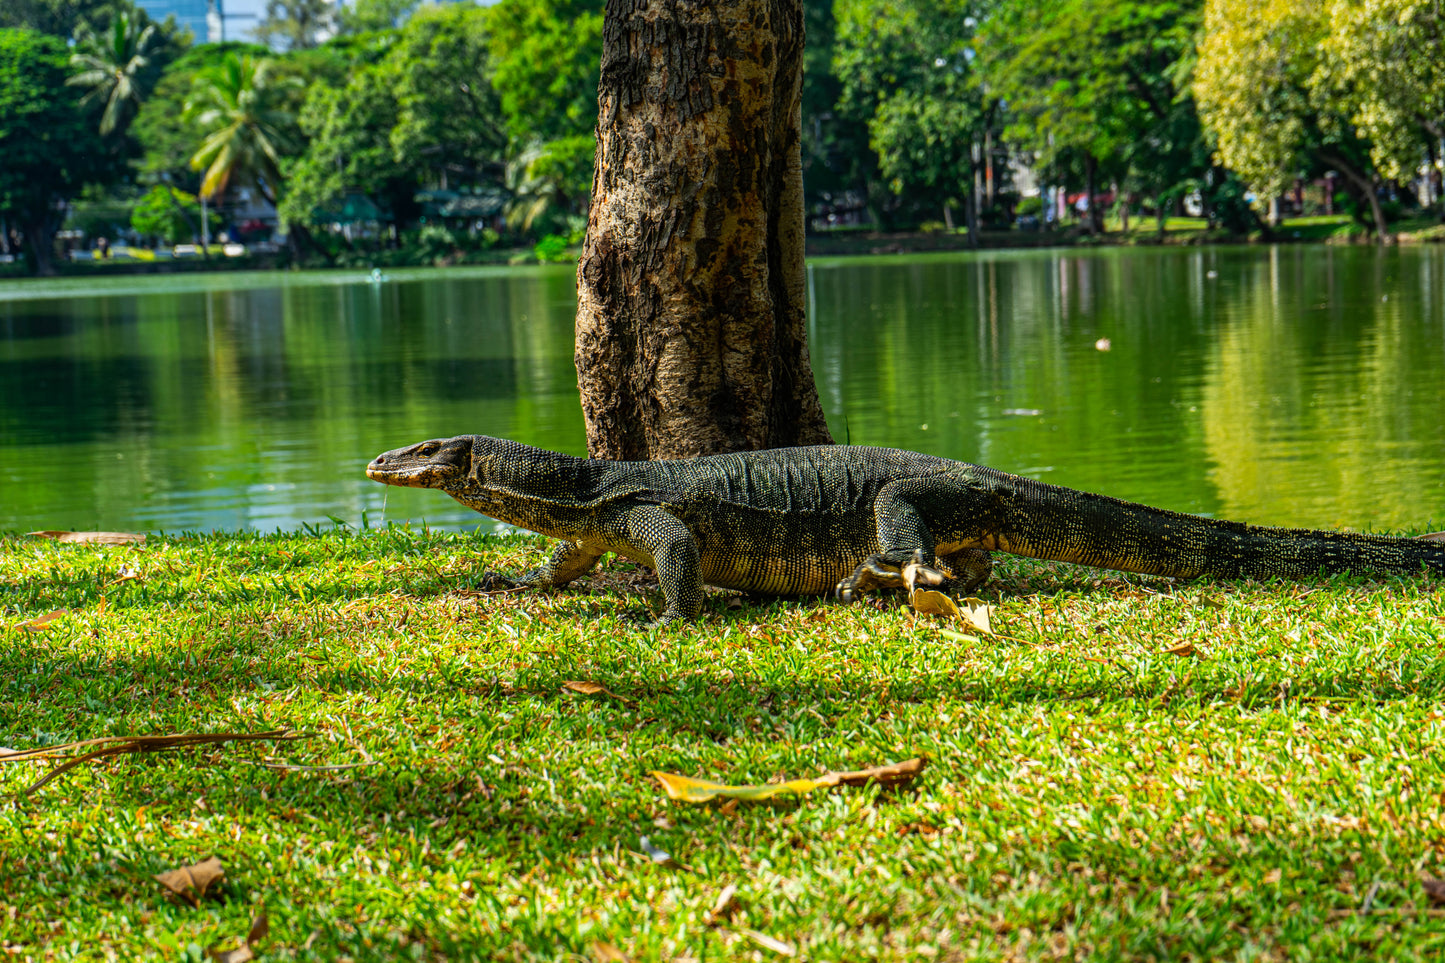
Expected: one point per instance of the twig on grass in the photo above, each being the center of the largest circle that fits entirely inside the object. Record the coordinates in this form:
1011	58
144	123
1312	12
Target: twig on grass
127	745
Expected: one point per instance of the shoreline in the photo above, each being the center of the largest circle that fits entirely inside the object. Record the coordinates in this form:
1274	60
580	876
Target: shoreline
843	243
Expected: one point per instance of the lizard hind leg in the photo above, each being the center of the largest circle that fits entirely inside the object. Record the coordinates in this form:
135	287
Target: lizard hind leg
971	568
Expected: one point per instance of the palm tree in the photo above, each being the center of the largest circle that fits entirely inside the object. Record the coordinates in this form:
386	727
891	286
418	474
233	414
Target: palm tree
239	106
301	24
113	66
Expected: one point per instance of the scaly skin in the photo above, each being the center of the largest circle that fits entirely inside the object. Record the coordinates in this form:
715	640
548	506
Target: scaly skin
849	519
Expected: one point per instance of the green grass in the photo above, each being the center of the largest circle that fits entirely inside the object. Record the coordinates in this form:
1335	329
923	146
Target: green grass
1275	795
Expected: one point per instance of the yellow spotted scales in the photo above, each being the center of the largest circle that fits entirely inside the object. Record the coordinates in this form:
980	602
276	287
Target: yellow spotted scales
849	519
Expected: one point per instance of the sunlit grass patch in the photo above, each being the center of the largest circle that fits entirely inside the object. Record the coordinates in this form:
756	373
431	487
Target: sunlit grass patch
1129	768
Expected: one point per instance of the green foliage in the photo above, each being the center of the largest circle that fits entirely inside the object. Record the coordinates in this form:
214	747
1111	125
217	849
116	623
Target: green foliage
296	24
236	105
363	16
167	138
59	18
48	140
546	56
167	213
906	75
115	67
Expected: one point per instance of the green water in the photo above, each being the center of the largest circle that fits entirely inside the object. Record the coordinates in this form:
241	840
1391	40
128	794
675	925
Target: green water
1294	386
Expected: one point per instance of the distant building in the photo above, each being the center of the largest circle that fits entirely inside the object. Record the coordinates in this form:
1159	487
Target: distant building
205	19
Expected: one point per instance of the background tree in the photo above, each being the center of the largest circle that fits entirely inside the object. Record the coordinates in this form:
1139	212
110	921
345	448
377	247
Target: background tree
168	214
691	335
1386	60
296	24
1269	106
1086	79
114	66
59	18
49	143
362	16
246	131
906	74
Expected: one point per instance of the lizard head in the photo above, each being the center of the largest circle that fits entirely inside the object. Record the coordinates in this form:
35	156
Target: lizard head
440	463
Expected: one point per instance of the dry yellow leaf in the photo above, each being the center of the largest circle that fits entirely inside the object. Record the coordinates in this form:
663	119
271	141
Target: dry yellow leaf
930	602
592	688
1182	649
191	882
979	613
687	789
41	622
92	538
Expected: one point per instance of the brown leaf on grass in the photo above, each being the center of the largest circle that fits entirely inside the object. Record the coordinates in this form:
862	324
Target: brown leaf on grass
1433	537
123	745
607	953
770	943
191	882
979	614
41	622
930	602
1435	890
92	538
260	927
1182	649
687	789
593	688
723	906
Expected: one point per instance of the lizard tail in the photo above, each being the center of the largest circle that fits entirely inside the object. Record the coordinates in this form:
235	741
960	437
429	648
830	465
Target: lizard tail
1059	524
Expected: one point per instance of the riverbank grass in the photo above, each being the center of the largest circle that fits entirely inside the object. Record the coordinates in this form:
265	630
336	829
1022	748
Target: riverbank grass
1129	769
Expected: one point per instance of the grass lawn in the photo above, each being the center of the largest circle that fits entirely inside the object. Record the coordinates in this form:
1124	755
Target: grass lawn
1270	789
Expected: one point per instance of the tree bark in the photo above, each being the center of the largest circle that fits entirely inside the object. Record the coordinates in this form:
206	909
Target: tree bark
39	234
1091	166
691	328
1367	185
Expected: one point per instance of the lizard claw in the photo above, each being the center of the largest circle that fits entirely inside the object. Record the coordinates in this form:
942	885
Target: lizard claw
496	582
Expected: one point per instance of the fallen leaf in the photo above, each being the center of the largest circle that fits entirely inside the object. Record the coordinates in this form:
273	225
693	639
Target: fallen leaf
687	789
1182	649
930	602
1433	537
260	929
41	622
607	953
93	538
593	688
260	926
659	856
723	906
769	943
191	882
1435	890
979	613
958	636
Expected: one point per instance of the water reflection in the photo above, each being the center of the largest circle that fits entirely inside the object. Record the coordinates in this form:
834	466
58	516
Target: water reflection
1297	385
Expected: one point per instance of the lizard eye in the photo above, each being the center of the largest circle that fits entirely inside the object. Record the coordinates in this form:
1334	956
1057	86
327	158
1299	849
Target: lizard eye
428	450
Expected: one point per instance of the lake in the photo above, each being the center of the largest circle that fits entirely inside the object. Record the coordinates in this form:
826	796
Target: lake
1294	385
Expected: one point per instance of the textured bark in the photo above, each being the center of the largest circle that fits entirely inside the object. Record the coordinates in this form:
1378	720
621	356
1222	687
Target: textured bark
691	332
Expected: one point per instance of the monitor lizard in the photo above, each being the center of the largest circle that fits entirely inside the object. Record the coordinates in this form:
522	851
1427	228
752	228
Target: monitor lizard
849	520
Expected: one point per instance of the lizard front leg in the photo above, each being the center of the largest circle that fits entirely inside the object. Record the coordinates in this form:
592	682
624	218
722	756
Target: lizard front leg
659	535
906	557
569	560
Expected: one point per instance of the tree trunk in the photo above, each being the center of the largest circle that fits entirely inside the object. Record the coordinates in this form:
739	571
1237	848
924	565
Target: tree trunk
40	238
1091	167
1366	186
691	331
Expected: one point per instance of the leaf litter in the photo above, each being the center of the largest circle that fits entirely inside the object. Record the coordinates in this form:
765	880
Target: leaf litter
690	790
